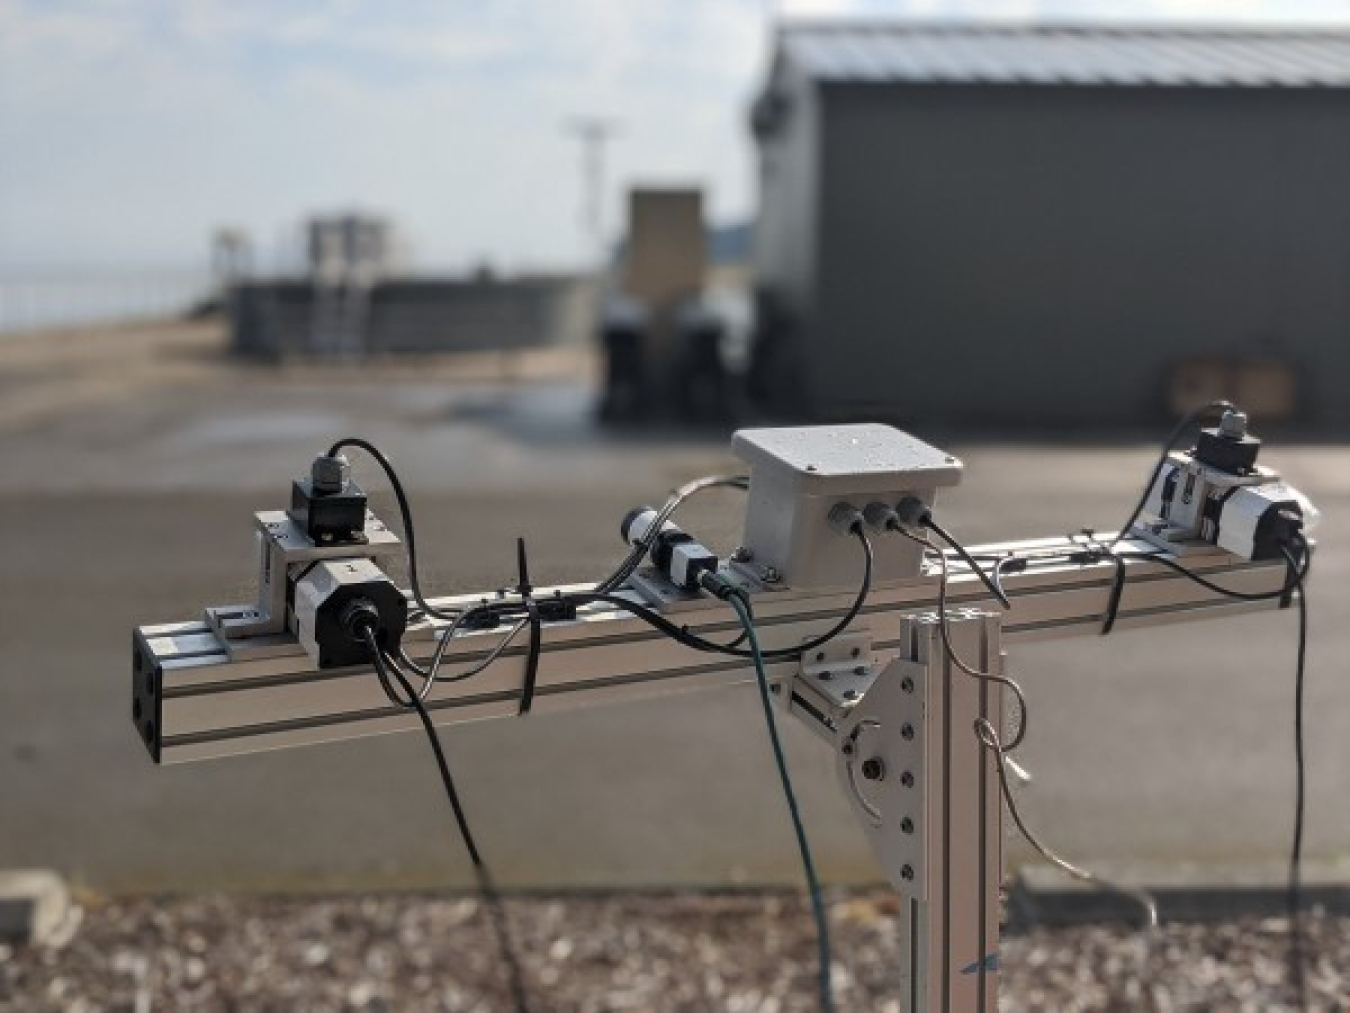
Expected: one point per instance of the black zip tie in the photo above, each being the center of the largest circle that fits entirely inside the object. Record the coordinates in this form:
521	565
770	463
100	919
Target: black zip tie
525	590
1097	552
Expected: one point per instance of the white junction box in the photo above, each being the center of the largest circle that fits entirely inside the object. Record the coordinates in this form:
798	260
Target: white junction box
798	474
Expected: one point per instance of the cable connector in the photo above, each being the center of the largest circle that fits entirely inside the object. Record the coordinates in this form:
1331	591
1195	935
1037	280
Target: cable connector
914	512
881	516
717	585
846	519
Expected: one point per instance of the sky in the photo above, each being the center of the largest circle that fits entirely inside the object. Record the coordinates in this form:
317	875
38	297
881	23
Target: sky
131	129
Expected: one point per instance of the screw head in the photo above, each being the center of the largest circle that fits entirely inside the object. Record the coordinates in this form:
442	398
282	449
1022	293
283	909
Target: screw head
847	749
825	676
857	651
907	684
742	554
770	575
874	769
907	872
860	670
907	779
907	825
907	732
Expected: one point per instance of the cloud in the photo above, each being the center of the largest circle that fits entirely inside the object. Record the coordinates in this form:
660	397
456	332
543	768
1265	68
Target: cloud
131	128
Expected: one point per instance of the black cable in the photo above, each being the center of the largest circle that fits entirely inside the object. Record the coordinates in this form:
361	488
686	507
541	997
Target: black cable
737	602
532	656
682	635
1095	553
1297	575
993	585
1190	418
1295	899
944	630
405	513
486	886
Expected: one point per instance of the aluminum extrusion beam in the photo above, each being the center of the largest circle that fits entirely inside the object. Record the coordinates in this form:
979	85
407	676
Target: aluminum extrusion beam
198	697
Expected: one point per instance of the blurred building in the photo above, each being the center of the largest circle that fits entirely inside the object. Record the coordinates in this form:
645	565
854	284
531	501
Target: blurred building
1053	225
358	299
677	315
292	318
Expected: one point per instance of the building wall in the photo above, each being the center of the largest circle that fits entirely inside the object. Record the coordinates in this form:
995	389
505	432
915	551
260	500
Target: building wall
785	267
665	256
1046	255
277	318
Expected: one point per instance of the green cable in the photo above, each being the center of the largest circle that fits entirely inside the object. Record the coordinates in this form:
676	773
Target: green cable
808	864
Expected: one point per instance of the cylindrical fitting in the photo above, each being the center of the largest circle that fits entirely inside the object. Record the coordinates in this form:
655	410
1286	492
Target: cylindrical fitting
329	474
913	511
845	517
1233	425
880	516
637	523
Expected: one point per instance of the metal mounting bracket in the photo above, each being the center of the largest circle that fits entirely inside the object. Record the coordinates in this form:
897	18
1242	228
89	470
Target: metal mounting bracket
282	543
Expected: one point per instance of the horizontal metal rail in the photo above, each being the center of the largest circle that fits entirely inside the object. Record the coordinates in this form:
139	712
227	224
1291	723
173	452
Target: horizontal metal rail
197	698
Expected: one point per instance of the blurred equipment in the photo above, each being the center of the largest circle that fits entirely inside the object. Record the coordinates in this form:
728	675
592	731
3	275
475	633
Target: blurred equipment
886	644
1064	220
661	332
1265	387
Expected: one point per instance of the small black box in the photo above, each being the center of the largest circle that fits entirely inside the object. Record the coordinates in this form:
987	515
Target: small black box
334	518
1236	457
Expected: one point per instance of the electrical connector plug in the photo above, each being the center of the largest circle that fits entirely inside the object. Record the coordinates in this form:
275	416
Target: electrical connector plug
846	519
914	512
717	585
881	517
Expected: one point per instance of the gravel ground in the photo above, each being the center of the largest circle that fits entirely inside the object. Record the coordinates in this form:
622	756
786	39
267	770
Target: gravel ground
628	951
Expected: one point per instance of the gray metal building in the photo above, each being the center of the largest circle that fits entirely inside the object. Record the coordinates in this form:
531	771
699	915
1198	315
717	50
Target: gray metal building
1053	225
284	318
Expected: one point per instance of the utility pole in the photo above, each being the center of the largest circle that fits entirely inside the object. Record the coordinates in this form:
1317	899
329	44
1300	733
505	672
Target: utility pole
594	133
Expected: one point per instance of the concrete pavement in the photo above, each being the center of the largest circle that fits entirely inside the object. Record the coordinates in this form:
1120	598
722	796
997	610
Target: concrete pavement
134	507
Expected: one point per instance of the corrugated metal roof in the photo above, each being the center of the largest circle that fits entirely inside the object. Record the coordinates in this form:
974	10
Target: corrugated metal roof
1073	55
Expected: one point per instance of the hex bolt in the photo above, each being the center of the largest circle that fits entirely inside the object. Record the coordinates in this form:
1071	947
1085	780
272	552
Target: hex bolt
907	872
907	825
850	694
770	575
847	749
907	731
1233	425
874	769
907	684
907	779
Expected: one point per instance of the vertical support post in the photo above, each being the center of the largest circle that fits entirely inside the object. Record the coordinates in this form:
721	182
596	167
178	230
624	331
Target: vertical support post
927	794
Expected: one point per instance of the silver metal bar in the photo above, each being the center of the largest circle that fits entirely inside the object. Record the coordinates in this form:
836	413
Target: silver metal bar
192	701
